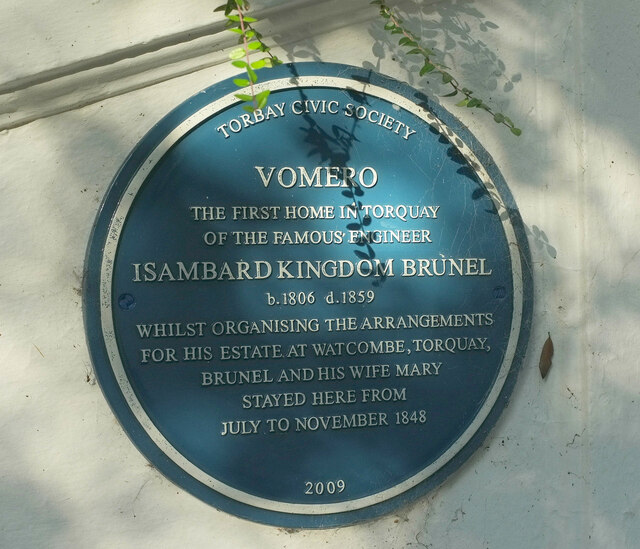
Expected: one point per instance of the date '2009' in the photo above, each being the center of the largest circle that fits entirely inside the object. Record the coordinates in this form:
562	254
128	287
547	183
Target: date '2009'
329	487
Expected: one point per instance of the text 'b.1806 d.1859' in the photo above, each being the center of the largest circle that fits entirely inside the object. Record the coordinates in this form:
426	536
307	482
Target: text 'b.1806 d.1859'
313	313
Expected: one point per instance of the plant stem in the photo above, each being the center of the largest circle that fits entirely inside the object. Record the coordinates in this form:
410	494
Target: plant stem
247	53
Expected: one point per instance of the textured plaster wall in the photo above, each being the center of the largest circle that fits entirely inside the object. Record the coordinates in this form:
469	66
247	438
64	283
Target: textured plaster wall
81	83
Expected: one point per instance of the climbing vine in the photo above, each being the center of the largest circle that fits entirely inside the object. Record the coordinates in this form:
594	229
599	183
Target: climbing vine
413	46
246	56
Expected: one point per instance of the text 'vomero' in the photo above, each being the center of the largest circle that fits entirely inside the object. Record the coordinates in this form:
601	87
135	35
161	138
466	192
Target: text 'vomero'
210	271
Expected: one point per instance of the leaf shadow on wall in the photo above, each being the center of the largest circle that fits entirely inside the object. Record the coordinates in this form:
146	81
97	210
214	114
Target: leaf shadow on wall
450	29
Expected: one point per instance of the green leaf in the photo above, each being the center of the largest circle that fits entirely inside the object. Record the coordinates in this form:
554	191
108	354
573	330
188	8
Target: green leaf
254	45
258	64
462	103
390	25
451	94
236	30
407	42
446	78
239	63
415	51
516	131
252	75
248	19
474	103
263	95
248	108
428	67
237	53
244	97
250	34
226	8
241	82
262	101
498	117
235	18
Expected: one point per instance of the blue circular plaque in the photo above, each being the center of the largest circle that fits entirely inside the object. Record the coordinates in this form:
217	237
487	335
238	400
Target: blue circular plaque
309	314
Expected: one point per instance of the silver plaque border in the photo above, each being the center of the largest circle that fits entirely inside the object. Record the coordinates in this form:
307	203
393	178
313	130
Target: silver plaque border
108	330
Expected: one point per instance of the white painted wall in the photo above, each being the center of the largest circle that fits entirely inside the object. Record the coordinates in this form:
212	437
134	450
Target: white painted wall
82	82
